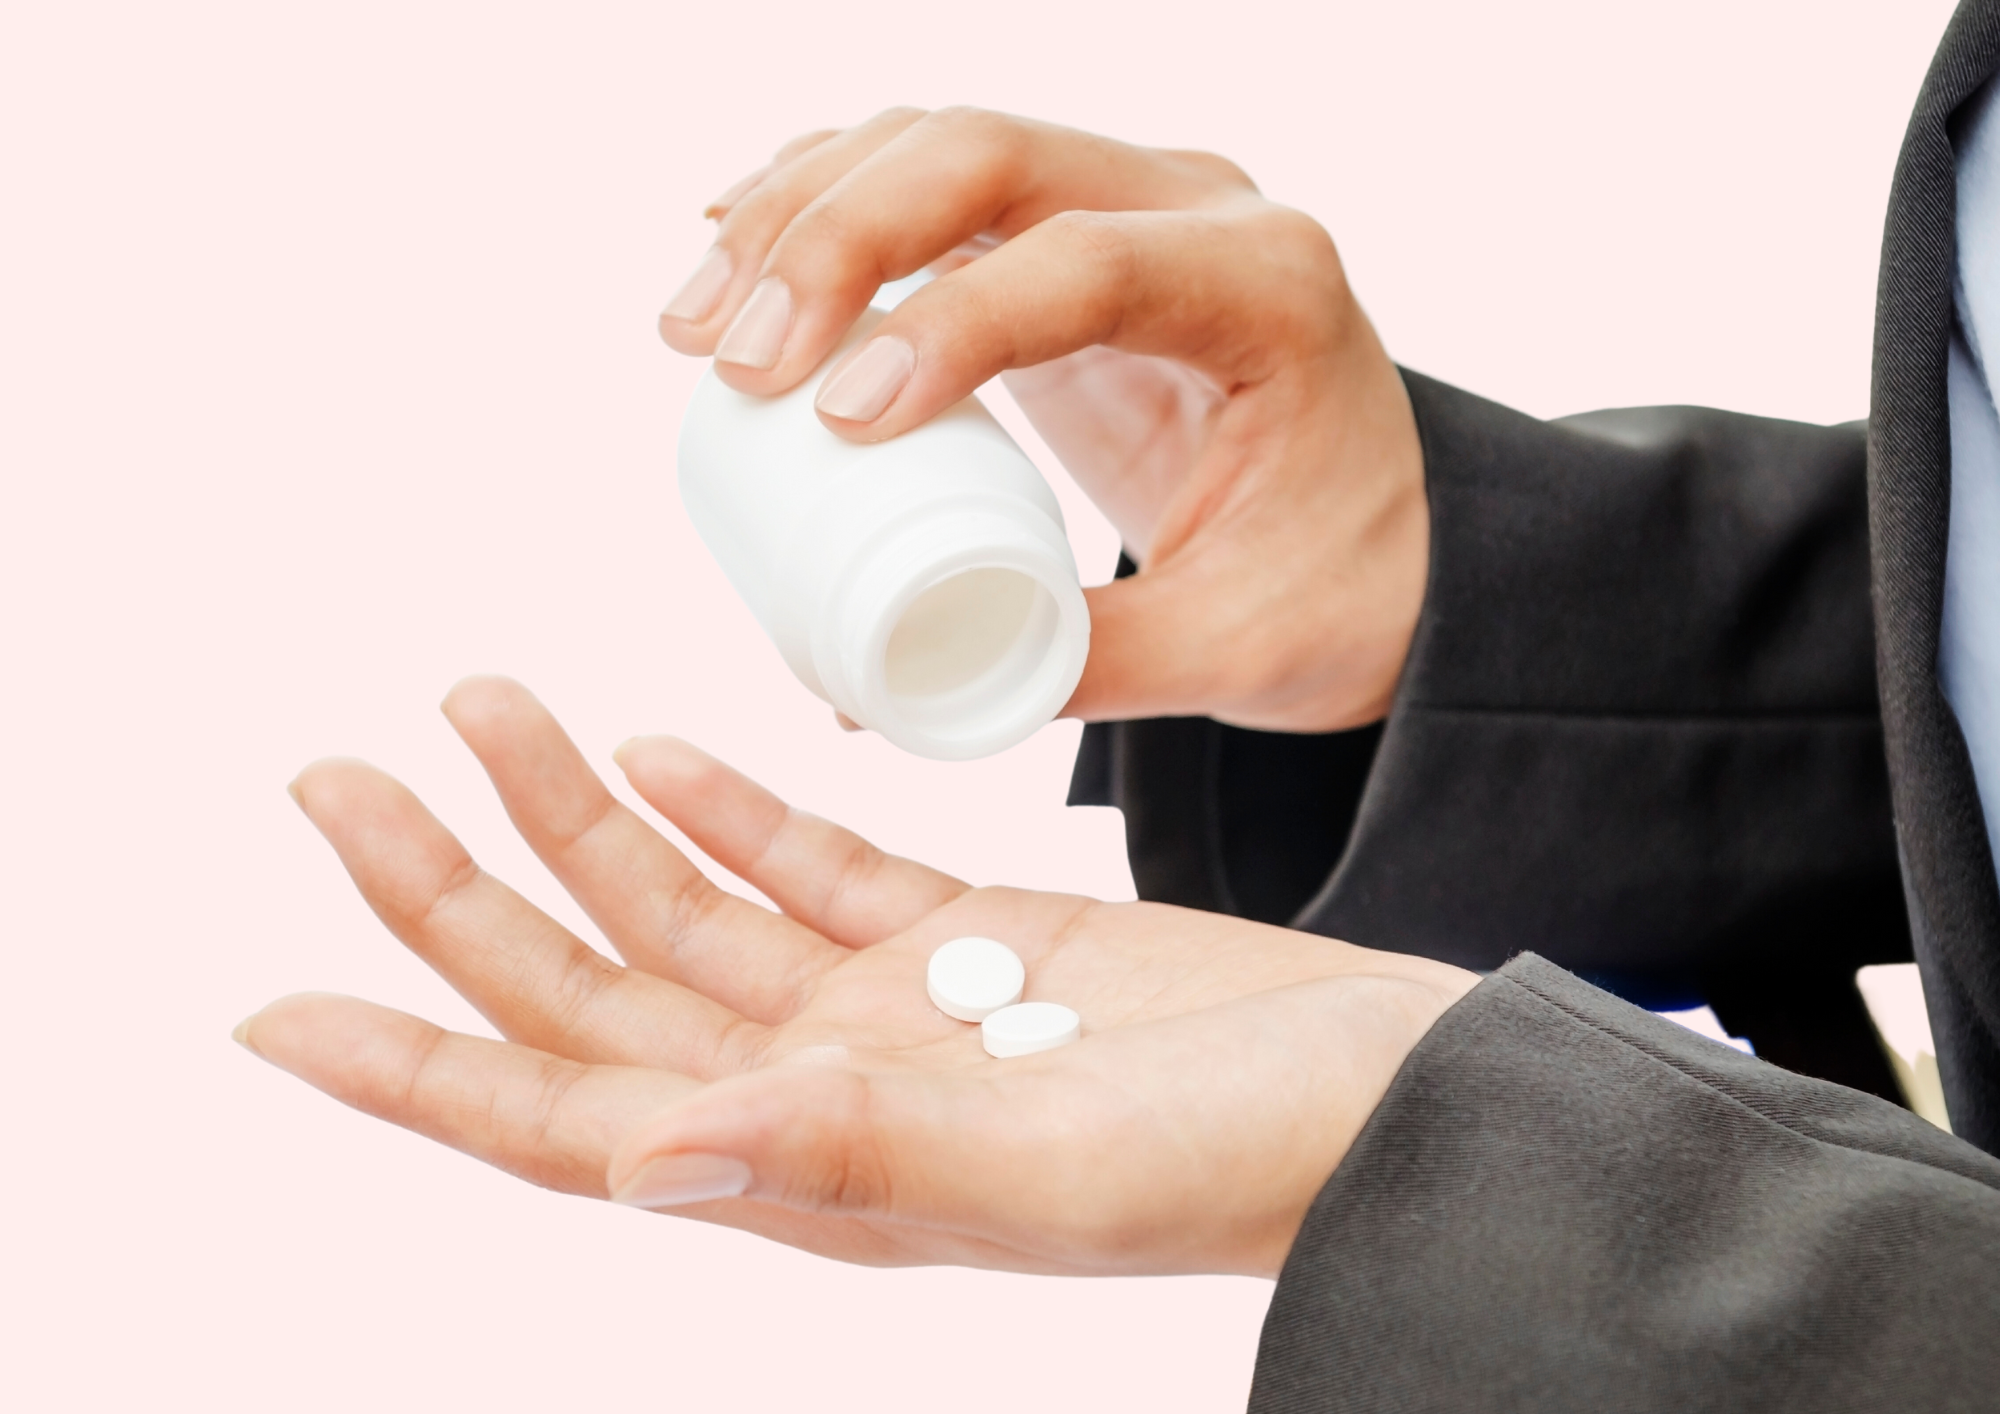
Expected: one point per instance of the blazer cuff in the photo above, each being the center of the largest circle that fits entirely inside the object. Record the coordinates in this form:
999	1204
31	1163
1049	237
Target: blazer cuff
1566	1203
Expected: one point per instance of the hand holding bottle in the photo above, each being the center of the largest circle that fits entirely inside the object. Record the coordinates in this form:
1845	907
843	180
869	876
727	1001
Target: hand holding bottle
1190	350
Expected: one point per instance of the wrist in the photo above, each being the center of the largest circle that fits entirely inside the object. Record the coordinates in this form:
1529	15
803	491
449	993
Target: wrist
1362	1027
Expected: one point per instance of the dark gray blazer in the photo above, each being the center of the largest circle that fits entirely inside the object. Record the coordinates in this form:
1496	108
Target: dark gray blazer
1642	732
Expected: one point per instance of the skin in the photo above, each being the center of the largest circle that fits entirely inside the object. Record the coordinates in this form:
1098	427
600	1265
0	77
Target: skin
1224	1070
1195	356
1190	350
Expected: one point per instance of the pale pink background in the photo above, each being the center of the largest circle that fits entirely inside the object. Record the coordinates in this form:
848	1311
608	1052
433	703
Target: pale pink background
327	375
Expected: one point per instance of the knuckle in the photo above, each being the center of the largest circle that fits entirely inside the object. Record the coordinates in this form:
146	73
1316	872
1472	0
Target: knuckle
996	135
421	1083
583	982
1214	168
826	245
1101	241
1300	232
964	118
1301	261
557	1078
763	834
1296	242
1098	233
688	909
850	1173
739	1046
459	876
574	835
758	214
804	142
850	876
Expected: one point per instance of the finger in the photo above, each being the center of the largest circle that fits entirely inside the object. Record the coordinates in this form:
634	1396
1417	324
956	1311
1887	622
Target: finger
736	191
1237	611
1122	1152
1009	1161
830	879
942	181
540	1117
527	974
1127	427
1201	630
694	320
659	911
805	142
1236	293
945	181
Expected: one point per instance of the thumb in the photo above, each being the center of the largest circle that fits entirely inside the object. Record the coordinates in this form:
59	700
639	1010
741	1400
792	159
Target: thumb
816	1140
1004	1160
1171	641
1228	628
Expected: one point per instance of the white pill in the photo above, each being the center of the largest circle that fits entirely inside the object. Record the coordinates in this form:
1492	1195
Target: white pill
1029	1027
970	978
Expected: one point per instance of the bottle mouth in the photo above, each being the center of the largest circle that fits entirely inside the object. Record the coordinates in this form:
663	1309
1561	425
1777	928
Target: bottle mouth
971	647
957	653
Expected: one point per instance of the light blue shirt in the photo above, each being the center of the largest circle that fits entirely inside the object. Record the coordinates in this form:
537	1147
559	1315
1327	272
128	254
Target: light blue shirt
1969	636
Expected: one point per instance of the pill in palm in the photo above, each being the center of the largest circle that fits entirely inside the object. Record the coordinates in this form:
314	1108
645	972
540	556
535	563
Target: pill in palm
970	978
1028	1027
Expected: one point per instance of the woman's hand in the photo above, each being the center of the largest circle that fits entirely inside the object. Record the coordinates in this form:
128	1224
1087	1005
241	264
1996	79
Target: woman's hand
786	1072
1190	350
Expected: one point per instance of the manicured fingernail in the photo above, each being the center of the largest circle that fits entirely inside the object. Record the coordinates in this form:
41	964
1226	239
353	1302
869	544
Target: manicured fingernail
241	1035
674	1179
292	789
699	296
757	338
719	208
869	382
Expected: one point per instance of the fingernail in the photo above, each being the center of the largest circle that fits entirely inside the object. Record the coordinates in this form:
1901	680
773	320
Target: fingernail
757	337
241	1035
698	297
675	1179
292	789
869	382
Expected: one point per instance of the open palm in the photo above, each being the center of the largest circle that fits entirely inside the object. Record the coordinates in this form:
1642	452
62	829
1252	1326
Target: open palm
793	1058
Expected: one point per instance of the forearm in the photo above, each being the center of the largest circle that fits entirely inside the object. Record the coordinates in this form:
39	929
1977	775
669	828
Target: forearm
1637	729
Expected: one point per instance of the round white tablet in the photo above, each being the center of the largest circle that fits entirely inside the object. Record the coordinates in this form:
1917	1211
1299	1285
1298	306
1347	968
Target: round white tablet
970	978
1029	1027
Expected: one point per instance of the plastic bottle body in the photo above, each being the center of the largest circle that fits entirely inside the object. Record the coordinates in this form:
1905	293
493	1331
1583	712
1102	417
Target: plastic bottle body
924	586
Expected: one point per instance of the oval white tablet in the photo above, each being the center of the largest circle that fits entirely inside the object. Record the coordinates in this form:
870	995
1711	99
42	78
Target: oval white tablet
970	978
1029	1027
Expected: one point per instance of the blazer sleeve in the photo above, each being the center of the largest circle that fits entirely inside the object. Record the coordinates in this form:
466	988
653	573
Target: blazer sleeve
1566	1203
1637	732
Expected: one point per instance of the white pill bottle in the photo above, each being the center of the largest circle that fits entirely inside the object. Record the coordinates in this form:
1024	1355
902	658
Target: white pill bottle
924	586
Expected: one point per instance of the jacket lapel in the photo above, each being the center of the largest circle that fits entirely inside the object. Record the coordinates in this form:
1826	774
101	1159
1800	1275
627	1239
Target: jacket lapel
1947	867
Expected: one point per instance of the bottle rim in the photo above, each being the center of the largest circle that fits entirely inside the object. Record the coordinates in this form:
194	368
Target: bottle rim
1000	702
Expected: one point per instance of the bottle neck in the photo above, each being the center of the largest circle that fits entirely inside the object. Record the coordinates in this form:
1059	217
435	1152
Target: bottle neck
956	633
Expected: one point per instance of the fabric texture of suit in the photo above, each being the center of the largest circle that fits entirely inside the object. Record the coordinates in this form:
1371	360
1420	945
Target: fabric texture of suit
1637	732
1642	730
1954	903
1567	1203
